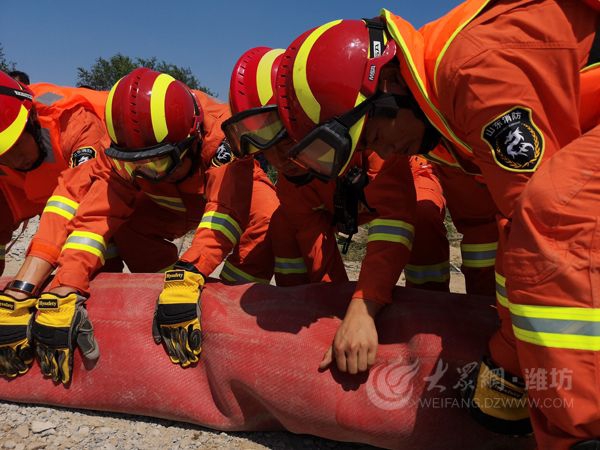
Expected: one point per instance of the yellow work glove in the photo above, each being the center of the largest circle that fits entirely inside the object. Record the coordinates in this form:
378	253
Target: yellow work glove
62	324
177	316
16	353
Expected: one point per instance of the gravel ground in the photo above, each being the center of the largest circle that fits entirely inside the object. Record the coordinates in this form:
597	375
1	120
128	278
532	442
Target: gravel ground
27	427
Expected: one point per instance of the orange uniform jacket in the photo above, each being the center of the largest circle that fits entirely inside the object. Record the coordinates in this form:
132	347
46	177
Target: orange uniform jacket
390	192
501	80
215	197
72	133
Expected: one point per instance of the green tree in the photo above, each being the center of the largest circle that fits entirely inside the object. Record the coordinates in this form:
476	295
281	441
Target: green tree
104	73
5	65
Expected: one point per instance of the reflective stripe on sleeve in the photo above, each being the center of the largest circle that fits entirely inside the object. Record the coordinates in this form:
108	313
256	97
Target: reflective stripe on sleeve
88	242
235	275
479	255
391	231
62	206
222	222
289	265
420	274
2	252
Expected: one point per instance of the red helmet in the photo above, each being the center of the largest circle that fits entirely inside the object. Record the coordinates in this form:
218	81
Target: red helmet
16	108
147	108
329	70
253	79
255	124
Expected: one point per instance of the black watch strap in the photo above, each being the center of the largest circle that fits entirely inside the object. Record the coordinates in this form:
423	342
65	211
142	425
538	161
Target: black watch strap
21	286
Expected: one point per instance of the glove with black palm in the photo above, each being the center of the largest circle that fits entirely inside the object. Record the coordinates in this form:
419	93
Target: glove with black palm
16	353
177	316
62	324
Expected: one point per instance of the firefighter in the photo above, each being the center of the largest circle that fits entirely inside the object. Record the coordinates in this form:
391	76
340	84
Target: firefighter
45	130
370	193
498	83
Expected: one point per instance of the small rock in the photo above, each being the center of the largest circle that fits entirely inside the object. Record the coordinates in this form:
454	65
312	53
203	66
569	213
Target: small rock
83	431
38	427
36	446
104	430
9	444
19	447
22	431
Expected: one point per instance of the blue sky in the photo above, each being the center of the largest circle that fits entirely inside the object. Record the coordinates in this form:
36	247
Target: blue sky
50	39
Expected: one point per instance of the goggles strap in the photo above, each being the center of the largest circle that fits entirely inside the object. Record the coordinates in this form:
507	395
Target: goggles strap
376	34
21	95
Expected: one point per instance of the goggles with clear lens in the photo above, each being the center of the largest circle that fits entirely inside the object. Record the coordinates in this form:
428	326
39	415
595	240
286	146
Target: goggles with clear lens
327	149
251	131
152	163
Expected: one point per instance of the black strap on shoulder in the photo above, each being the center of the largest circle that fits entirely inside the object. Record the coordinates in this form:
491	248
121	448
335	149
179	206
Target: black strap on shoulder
594	57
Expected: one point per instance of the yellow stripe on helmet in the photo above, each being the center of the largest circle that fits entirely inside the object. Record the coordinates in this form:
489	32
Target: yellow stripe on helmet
10	135
110	126
157	106
263	75
307	100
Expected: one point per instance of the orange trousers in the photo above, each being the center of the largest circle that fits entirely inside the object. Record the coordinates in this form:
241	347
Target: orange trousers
474	215
553	278
429	264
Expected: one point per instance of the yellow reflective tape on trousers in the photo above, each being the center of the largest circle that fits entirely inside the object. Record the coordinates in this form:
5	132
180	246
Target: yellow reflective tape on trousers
420	274
236	275
88	242
63	206
479	255
221	222
501	294
2	252
557	326
289	265
392	231
552	326
158	113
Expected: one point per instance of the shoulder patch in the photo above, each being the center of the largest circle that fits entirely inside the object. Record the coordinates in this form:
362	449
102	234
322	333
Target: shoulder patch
223	155
516	142
82	155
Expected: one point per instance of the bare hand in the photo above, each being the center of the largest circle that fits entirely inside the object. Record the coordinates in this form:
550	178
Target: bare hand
355	344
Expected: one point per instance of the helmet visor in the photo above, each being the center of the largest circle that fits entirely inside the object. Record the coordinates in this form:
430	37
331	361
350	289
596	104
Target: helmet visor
253	130
324	151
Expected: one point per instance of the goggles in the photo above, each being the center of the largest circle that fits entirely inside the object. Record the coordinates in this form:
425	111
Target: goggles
251	131
327	150
152	163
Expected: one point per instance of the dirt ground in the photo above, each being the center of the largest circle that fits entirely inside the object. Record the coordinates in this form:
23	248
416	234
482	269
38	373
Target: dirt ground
28	427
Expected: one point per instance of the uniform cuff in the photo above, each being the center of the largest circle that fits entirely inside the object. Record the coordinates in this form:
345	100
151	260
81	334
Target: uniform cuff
44	250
